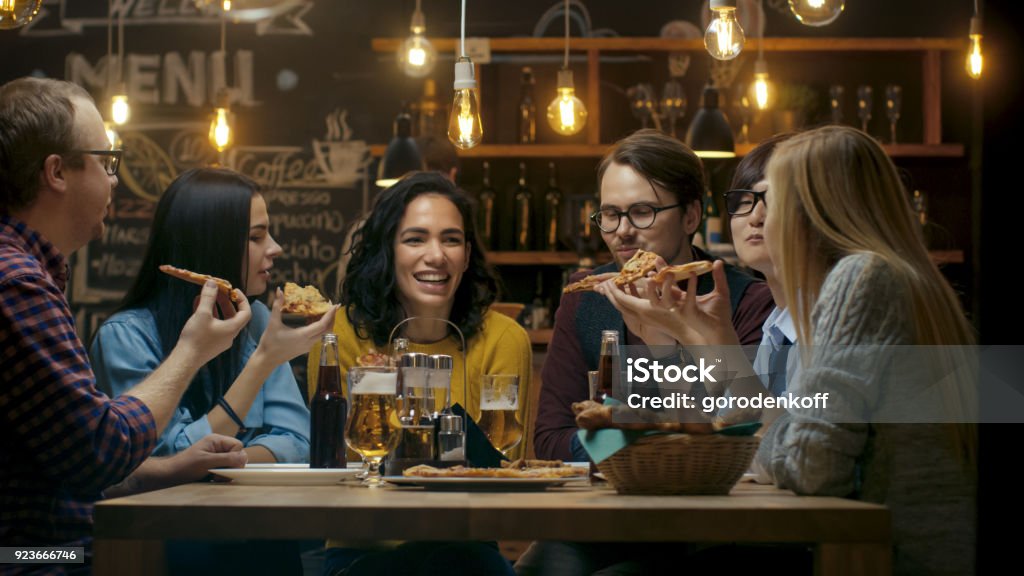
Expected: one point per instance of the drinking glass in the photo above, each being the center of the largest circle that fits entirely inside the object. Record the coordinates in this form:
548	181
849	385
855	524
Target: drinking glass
893	106
673	104
373	427
836	92
864	94
499	411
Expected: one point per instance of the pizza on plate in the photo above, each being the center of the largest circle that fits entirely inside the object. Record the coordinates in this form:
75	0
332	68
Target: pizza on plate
424	471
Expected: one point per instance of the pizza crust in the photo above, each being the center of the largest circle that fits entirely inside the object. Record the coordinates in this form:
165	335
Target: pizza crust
683	271
588	283
200	279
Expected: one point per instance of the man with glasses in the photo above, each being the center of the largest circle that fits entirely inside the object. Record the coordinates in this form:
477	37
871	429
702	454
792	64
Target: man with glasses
65	443
651	189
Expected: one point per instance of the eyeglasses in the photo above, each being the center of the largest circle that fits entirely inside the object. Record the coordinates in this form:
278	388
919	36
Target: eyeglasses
111	158
743	202
640	216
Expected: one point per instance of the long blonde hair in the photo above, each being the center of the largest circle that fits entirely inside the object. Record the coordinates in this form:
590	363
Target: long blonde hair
837	193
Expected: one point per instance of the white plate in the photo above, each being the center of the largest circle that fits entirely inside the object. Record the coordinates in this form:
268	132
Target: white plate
285	475
483	484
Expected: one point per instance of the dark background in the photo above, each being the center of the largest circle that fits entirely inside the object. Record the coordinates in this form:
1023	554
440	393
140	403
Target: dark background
335	67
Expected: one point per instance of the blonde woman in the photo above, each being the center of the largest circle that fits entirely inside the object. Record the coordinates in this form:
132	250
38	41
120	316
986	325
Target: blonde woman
862	289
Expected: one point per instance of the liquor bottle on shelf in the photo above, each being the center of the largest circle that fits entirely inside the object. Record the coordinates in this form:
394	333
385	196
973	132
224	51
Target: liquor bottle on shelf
552	210
524	199
431	119
712	221
540	307
485	210
527	109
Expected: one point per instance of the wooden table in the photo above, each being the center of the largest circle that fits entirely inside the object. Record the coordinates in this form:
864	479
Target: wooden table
849	537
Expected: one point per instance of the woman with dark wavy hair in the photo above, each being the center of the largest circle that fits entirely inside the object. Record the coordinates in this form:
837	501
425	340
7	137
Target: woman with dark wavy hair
417	254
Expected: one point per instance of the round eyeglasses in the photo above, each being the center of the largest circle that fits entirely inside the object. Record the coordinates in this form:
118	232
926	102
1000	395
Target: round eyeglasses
641	216
742	202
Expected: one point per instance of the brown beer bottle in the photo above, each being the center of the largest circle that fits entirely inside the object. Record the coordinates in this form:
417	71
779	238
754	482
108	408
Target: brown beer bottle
606	366
329	409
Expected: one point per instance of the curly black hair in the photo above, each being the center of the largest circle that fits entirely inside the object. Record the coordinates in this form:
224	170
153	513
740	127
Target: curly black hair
370	292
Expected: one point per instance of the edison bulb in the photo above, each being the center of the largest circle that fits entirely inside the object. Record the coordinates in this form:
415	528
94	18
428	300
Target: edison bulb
816	12
762	87
566	113
112	136
417	56
221	132
464	128
120	111
724	37
974	58
17	13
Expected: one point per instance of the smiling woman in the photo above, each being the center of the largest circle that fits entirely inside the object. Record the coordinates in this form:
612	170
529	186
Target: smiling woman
417	255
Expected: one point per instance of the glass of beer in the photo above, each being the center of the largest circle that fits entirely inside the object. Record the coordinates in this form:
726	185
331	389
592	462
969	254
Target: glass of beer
499	411
373	427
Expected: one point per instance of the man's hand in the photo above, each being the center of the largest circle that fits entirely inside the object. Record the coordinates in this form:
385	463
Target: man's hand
206	336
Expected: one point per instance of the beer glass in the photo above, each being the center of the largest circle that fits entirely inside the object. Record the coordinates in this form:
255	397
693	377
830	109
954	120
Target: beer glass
373	427
499	411
864	97
893	107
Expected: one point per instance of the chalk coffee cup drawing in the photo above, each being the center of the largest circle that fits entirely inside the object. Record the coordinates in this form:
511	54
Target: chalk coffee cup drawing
342	162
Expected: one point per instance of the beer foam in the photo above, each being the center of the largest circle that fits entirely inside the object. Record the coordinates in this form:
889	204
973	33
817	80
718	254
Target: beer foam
499	404
376	383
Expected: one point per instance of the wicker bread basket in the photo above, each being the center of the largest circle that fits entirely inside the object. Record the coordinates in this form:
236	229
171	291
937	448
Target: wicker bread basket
680	464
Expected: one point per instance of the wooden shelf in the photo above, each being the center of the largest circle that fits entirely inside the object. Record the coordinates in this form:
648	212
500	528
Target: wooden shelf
651	44
549	151
941	257
540	258
542	336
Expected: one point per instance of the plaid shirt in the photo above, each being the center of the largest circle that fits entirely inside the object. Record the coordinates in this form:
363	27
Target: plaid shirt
63	440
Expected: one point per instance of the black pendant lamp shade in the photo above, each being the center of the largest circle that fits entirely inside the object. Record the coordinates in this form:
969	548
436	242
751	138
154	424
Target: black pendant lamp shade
710	135
402	155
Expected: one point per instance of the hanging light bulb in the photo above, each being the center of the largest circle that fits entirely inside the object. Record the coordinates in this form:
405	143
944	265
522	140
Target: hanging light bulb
226	5
222	128
974	59
17	13
112	135
566	113
120	110
221	133
464	129
762	88
724	37
417	55
816	12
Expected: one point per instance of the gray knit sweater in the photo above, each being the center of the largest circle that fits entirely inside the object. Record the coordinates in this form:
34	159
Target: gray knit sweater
910	468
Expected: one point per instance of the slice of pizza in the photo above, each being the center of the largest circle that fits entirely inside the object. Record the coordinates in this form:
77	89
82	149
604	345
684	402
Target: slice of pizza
638	266
683	271
588	283
372	358
304	301
200	279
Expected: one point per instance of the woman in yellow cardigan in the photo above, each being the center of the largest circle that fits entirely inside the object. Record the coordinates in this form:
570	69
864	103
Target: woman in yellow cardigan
417	254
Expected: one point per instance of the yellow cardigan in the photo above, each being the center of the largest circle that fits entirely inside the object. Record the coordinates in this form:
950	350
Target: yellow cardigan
501	347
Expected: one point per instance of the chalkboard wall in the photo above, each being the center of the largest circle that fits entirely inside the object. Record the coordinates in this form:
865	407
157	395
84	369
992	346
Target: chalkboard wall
310	95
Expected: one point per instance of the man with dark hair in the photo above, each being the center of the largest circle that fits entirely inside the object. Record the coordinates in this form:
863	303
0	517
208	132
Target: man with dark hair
440	155
65	443
651	190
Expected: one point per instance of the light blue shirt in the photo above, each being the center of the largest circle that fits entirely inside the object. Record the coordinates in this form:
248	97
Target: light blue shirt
127	349
777	327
